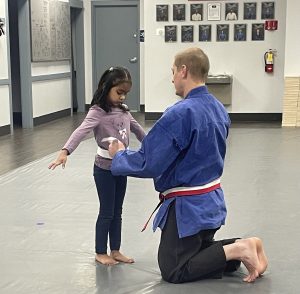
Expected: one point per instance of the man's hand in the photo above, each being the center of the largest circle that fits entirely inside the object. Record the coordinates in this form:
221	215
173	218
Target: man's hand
114	147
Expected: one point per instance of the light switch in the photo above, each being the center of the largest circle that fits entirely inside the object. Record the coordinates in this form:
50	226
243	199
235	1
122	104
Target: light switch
160	32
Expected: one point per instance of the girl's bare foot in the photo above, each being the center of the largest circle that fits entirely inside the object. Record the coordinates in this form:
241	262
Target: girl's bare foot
263	261
249	258
105	259
117	255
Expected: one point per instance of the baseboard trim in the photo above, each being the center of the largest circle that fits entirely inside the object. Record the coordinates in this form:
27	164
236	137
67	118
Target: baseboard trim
255	117
142	107
153	115
51	116
235	117
4	130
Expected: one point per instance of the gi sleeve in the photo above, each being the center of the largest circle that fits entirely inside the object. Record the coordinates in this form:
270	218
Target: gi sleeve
158	151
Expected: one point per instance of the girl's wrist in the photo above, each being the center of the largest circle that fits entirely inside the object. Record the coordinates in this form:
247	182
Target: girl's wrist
65	151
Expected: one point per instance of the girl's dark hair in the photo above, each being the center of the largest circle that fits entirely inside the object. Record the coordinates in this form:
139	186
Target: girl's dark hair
112	77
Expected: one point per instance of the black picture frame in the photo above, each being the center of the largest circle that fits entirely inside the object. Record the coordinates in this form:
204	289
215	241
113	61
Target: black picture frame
250	10
240	32
171	34
222	33
162	12
196	12
187	34
267	10
258	32
178	12
2	23
204	33
231	11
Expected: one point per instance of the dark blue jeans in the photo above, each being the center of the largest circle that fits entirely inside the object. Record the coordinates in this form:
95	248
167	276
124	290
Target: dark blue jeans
111	191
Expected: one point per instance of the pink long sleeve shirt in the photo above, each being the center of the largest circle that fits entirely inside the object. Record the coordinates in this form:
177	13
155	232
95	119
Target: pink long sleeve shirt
116	123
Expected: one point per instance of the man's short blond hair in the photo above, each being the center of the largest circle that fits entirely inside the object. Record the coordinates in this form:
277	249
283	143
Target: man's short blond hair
196	62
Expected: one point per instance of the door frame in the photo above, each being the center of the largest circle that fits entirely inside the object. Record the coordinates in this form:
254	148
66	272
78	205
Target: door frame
79	44
9	68
103	3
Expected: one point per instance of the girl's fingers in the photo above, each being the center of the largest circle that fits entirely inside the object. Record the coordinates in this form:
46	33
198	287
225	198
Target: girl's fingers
53	165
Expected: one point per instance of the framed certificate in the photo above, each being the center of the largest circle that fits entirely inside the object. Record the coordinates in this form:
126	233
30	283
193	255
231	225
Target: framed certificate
250	10
204	33
267	10
214	11
179	12
162	13
170	34
222	32
240	32
187	34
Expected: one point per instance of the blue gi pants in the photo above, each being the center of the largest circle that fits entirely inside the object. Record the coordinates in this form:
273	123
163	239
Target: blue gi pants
111	192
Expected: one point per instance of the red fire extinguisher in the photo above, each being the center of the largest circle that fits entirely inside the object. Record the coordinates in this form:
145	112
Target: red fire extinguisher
269	61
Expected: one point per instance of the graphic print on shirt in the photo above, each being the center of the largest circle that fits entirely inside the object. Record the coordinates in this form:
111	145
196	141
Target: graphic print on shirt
120	126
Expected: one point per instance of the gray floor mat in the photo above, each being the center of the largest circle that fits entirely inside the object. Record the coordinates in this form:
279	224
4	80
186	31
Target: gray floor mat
47	222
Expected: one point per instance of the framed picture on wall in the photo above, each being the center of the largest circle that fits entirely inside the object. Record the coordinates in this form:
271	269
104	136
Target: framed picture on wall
179	12
231	11
250	10
170	34
214	11
187	34
240	32
204	33
258	32
267	10
222	32
162	13
196	12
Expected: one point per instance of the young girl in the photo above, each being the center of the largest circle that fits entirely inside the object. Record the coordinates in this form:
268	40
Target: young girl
109	119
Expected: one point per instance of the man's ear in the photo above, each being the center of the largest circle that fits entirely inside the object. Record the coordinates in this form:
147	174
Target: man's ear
184	71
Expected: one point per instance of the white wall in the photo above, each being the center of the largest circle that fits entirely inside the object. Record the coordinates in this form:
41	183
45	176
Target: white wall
254	91
142	56
4	106
3	45
292	45
53	95
88	51
4	90
50	96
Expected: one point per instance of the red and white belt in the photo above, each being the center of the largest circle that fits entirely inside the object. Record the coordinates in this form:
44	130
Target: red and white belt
190	191
185	191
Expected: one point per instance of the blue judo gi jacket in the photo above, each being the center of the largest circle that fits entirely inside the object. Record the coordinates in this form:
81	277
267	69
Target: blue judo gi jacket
185	148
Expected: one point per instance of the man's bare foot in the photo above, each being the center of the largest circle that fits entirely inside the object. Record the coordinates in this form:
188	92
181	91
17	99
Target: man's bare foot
105	259
117	255
263	261
249	258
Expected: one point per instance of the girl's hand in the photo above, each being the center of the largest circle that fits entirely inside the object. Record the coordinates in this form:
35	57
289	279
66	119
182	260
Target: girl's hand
60	160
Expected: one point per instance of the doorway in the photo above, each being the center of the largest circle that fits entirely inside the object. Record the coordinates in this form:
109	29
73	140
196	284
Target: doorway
115	42
77	66
15	63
